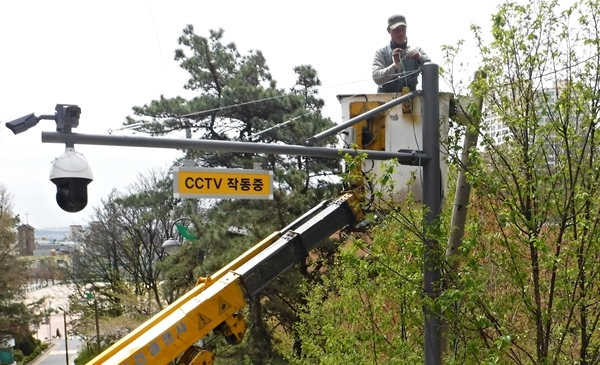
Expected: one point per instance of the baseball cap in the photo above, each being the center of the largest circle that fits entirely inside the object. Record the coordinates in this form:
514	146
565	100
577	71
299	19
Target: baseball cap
396	20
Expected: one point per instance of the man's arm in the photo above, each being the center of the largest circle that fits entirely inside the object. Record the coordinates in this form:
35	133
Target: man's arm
424	57
381	72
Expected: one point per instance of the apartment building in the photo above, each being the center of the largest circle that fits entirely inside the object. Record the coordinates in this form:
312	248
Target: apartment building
499	132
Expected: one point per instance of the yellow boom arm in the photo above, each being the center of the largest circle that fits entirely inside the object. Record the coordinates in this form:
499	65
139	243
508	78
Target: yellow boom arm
213	303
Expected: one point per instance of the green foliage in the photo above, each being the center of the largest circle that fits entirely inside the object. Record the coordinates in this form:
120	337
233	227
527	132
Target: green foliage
22	358
26	344
18	355
15	317
369	304
86	354
523	292
237	100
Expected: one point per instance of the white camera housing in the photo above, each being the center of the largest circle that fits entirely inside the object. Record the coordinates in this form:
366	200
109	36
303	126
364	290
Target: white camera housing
71	174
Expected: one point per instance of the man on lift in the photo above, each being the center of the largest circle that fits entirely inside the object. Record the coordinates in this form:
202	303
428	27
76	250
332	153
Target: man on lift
396	65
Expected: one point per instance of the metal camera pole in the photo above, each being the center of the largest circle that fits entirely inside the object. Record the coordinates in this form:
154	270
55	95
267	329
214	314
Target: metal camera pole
98	347
432	199
66	337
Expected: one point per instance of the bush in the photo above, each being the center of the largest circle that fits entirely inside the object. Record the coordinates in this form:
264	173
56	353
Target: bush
85	355
36	352
18	354
26	344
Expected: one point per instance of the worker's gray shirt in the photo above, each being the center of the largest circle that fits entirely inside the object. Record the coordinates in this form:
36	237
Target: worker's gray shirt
383	70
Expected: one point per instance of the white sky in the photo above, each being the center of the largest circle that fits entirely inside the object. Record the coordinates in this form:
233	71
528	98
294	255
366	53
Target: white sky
108	56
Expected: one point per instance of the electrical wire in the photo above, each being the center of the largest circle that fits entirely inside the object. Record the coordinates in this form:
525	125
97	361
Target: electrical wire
189	115
279	125
158	40
543	75
232	106
404	74
129	126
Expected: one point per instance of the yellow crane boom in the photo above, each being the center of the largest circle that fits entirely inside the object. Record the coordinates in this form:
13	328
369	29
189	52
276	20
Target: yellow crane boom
212	305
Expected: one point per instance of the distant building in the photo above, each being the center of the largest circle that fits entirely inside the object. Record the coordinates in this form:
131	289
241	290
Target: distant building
499	132
26	240
75	232
495	129
28	246
47	248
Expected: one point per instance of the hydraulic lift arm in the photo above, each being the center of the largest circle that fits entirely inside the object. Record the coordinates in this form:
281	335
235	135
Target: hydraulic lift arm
212	305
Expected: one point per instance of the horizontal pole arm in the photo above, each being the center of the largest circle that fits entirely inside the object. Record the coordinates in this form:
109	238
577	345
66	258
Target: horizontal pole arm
411	158
359	118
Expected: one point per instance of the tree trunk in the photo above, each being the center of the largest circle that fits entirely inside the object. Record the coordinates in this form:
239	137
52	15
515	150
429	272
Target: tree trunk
259	340
461	201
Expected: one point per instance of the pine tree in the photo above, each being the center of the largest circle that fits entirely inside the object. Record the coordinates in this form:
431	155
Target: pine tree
236	99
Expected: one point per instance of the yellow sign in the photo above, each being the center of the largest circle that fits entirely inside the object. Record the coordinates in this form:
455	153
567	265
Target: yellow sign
203	321
223	306
191	182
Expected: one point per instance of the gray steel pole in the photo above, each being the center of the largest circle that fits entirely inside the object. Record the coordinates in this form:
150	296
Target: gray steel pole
97	326
359	118
66	337
432	198
413	158
49	316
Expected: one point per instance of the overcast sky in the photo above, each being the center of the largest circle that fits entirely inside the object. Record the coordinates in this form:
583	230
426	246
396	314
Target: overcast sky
108	56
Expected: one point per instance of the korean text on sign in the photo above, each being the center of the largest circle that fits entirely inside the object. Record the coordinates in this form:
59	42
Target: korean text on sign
222	183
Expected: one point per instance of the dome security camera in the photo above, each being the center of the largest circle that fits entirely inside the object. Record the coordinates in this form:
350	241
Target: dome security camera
71	174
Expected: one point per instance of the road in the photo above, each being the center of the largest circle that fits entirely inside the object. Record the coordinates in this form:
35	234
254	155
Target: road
55	355
56	295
